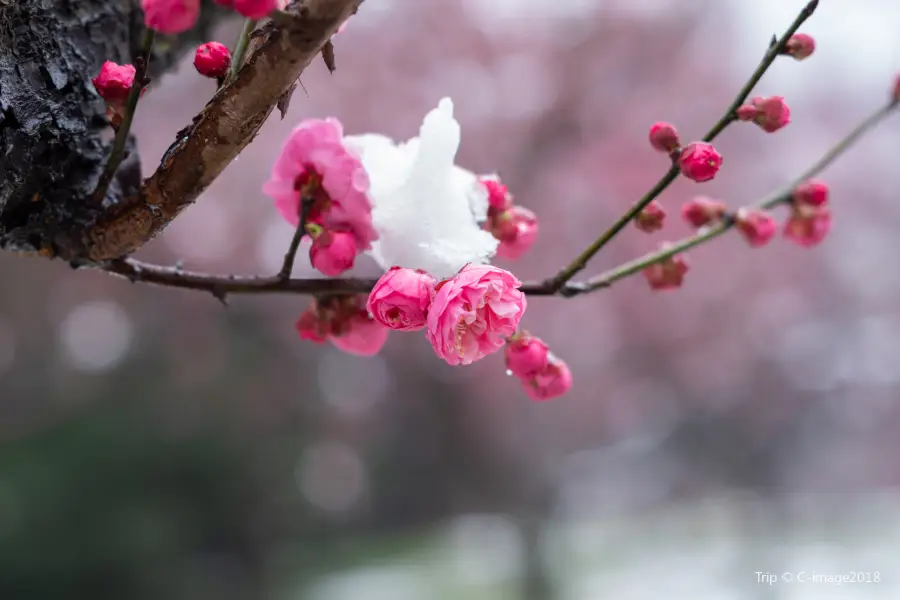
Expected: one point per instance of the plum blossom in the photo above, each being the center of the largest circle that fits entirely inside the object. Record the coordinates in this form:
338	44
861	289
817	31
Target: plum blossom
664	137
699	161
652	218
427	210
473	313
344	322
757	226
700	211
315	164
212	59
400	299
525	355
552	381
170	16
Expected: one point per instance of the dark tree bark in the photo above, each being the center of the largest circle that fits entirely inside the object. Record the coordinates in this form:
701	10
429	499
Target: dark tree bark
55	139
53	131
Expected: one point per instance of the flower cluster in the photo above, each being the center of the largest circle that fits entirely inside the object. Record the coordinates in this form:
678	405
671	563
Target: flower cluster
515	227
543	375
317	176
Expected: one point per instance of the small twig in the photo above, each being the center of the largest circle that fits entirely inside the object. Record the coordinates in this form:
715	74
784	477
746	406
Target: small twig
240	47
288	266
141	64
568	272
781	196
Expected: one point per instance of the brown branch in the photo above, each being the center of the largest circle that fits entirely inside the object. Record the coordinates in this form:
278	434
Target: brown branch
776	48
278	56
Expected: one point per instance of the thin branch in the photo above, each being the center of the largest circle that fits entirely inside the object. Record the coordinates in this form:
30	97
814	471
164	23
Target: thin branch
141	64
287	266
240	47
780	196
568	272
275	59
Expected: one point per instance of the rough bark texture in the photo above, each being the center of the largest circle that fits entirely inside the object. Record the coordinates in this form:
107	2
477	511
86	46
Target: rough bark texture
55	139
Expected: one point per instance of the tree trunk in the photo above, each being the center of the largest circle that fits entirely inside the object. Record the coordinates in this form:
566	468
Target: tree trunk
53	130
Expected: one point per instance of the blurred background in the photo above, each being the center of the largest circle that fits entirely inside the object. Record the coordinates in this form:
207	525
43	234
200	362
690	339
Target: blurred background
158	445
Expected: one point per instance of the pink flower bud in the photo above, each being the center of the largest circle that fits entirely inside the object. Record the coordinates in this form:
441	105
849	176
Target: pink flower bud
499	198
667	274
812	192
517	230
808	224
651	218
758	227
361	335
553	381
664	137
400	299
771	113
800	46
212	59
114	82
746	112
525	355
257	9
702	211
333	252
170	16
699	161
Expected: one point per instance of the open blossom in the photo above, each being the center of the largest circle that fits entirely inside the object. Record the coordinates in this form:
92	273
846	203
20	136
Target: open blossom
812	192
525	355
701	211
667	274
757	226
400	299
664	137
552	381
651	218
344	322
699	161
212	59
473	313
808	224
516	228
428	211
255	9
170	16
316	165
771	114
333	252
800	46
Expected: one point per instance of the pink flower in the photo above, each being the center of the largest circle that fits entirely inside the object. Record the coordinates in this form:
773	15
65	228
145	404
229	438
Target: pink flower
344	321
667	274
314	164
664	137
400	299
473	313
517	230
758	227
212	59
746	112
702	211
114	82
257	9
525	355
170	16
808	225
553	381
812	192
800	46
333	252
699	161
499	197
361	336
651	218
771	113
